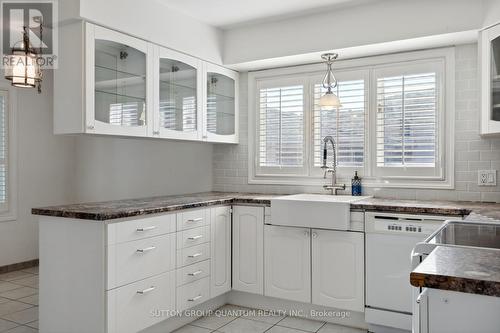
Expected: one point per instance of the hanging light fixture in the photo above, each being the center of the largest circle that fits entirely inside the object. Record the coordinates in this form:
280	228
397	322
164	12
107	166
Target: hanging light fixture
329	100
23	69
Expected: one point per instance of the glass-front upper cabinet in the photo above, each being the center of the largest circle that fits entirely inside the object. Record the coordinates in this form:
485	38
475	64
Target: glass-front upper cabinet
221	105
119	91
490	80
177	111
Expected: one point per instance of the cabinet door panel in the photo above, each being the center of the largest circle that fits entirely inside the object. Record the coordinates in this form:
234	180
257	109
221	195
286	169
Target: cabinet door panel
119	83
248	248
287	262
221	250
338	269
221	104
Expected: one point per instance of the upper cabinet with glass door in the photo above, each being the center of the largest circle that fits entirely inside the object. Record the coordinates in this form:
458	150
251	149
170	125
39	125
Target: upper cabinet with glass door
221	105
119	93
178	88
490	80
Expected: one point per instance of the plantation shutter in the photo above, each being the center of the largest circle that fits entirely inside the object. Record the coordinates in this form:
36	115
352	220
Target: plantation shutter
281	127
346	124
406	131
3	150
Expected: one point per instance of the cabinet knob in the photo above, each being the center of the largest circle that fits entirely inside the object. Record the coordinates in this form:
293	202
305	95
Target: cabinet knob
90	127
315	235
306	233
156	132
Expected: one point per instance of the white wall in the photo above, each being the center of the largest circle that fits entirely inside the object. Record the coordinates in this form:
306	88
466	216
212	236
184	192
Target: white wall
45	172
110	168
381	21
472	153
491	12
153	21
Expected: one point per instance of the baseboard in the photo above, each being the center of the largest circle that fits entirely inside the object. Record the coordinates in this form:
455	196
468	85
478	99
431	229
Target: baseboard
18	266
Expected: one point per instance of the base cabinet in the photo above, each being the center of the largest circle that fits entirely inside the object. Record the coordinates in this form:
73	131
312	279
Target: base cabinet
338	269
248	248
287	263
221	250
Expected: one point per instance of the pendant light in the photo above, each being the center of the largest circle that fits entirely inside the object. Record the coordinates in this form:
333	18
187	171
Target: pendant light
329	100
24	70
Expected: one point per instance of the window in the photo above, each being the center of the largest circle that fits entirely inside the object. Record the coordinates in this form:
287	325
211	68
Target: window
7	155
346	124
394	125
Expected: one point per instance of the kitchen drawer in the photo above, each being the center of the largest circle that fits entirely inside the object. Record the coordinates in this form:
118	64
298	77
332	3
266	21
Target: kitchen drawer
141	228
136	260
130	307
192	219
192	237
193	254
193	294
193	272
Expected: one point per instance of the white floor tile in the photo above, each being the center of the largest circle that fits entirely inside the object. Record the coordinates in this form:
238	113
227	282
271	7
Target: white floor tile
6	286
332	328
213	322
301	324
244	325
32	270
33	324
263	316
24	316
281	329
19	293
31	281
6	325
12	306
22	329
33	299
192	329
14	275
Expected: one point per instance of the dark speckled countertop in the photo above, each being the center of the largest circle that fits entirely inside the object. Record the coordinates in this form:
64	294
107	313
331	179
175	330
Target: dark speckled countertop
462	269
109	210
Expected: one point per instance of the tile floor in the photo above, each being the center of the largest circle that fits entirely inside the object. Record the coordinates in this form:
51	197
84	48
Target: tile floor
19	301
19	313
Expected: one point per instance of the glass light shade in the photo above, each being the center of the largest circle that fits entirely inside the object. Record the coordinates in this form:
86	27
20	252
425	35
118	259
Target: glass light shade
329	101
23	69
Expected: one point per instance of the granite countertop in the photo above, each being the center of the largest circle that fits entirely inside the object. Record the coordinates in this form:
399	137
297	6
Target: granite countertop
462	269
109	210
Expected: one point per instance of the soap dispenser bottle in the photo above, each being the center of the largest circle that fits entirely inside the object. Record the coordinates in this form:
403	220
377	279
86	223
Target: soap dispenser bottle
356	185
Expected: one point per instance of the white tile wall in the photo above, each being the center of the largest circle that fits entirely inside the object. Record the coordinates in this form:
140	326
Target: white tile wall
472	152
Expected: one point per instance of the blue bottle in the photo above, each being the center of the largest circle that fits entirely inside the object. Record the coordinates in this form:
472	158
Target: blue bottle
356	185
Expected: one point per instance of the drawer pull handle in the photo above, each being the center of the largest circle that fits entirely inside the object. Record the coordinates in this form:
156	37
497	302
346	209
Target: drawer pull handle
146	249
194	299
195	255
195	237
195	273
196	219
146	228
145	291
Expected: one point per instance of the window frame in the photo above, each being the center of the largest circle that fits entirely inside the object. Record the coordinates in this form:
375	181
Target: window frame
9	212
446	116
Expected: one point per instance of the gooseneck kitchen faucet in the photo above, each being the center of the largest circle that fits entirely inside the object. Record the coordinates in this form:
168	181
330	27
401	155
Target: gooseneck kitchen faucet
333	170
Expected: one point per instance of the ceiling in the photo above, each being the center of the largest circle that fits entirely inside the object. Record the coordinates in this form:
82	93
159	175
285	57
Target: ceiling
230	13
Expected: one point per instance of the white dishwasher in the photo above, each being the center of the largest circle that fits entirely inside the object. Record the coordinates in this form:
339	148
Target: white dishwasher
390	239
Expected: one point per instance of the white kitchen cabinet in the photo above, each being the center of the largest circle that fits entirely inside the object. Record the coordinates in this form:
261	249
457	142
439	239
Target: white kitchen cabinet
338	269
220	116
221	250
178	95
111	83
287	263
489	56
248	248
